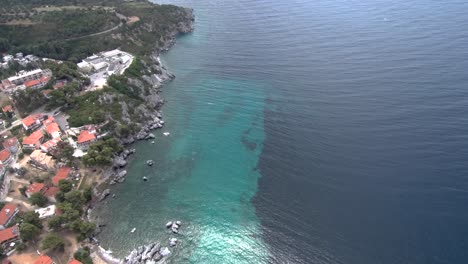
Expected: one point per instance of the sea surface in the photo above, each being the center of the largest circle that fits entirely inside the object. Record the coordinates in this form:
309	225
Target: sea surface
308	132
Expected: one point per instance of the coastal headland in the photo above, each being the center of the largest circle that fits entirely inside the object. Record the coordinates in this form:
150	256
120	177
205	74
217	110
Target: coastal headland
65	137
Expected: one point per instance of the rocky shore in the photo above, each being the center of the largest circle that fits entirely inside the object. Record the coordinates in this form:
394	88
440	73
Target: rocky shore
116	173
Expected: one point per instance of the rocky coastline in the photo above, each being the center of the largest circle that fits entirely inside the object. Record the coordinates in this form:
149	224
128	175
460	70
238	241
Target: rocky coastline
116	173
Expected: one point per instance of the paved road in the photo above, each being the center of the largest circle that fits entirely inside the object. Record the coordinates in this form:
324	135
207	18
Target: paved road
120	16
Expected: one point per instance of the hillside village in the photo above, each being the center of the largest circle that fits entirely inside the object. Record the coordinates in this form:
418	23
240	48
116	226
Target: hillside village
45	185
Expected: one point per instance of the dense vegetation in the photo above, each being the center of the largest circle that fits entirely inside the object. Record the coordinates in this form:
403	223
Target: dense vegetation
51	30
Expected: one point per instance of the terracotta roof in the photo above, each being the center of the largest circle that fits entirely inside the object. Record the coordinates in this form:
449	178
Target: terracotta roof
51	191
4	155
85	136
49	120
32	83
10	142
6	212
44	259
31	119
7	108
34	138
8	233
62	174
74	261
35	187
52	128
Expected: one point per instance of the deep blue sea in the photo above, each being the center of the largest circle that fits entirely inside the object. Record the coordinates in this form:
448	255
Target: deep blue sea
308	132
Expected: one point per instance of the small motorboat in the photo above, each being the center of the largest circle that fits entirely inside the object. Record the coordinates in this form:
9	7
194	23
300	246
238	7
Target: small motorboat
133	230
169	224
166	134
178	223
145	178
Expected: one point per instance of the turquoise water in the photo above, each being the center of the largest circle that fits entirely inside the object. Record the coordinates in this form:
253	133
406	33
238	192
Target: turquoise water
308	132
205	174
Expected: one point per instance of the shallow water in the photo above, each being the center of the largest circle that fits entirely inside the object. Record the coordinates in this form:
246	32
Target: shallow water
308	132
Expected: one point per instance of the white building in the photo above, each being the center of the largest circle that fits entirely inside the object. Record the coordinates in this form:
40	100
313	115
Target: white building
46	211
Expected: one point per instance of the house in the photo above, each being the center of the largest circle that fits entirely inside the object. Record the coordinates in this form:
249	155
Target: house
74	261
34	140
11	144
42	160
7	109
8	236
5	157
7	214
46	93
60	84
62	174
52	129
44	259
46	211
24	76
85	138
33	121
34	188
50	193
50	145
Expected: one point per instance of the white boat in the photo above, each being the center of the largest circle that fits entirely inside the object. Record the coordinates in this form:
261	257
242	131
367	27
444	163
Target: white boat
166	134
133	230
169	224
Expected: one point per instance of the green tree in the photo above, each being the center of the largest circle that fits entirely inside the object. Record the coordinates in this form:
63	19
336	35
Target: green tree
65	186
22	190
75	198
83	256
32	218
29	232
38	199
53	241
55	221
60	197
88	194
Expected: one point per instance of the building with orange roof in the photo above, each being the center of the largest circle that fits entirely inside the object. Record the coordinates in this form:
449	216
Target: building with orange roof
34	140
7	214
53	129
42	160
8	236
33	121
7	108
74	261
5	157
35	187
50	145
44	259
32	84
62	174
11	144
85	138
50	193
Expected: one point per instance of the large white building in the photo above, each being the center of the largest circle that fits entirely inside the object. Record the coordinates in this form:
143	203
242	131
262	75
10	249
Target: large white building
24	76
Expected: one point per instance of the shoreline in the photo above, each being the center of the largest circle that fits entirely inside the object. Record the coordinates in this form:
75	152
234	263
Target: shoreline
116	172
